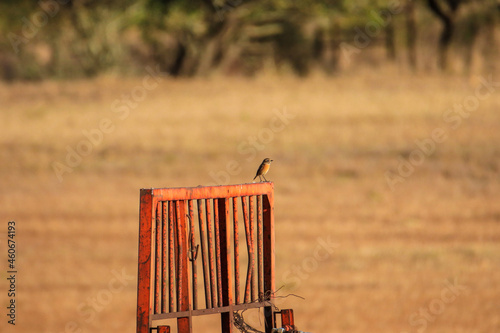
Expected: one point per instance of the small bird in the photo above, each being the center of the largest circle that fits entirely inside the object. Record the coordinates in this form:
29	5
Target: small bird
263	169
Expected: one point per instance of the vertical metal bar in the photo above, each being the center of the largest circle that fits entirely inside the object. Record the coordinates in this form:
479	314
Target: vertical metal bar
194	252
236	241
211	256
144	265
164	256
208	303
183	301
176	248
171	256
163	329
217	251
246	221
269	259
260	246
252	242
158	251
184	325
225	264
287	318
178	254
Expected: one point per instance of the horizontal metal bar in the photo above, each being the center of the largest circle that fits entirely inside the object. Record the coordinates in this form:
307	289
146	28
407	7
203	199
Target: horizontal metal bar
161	316
204	192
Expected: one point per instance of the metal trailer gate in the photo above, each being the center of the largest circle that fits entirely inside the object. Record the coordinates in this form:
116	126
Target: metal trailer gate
185	230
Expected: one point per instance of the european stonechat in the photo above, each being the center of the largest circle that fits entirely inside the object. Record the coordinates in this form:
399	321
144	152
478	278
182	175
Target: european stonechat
263	169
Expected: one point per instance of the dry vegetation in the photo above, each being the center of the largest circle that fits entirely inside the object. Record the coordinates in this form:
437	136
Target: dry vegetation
394	250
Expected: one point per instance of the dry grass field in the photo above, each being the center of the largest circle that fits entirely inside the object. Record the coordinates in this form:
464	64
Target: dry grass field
387	193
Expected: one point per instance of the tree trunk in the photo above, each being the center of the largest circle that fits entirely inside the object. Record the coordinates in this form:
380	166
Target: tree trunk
411	35
216	20
390	44
447	17
491	50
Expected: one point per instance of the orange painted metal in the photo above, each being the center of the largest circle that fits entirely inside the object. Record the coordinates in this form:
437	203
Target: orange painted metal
167	244
225	264
260	247
164	271
246	219
251	253
204	258
193	249
217	252
144	266
158	252
287	318
236	240
269	257
171	256
163	329
211	256
184	325
183	301
203	192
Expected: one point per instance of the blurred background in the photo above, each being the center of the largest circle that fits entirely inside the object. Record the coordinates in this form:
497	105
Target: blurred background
84	38
382	118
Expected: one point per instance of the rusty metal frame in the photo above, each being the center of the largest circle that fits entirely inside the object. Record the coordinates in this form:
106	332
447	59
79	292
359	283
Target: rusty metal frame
287	318
166	246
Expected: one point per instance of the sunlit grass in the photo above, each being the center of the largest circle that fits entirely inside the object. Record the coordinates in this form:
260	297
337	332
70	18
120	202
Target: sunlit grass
395	249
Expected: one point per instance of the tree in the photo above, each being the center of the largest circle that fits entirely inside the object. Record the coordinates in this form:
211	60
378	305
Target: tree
446	11
411	35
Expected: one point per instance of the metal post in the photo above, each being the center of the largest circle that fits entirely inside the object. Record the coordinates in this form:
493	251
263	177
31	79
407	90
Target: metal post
163	329
203	235
268	230
287	318
144	269
236	238
183	304
225	245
